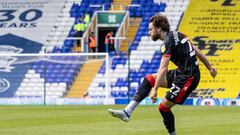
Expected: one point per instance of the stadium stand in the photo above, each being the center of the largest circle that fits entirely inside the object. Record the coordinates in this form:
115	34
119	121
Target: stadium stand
58	76
140	59
57	42
125	75
60	31
11	78
54	76
142	62
139	67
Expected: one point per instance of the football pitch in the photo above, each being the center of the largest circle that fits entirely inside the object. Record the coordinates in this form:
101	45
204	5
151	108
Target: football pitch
95	120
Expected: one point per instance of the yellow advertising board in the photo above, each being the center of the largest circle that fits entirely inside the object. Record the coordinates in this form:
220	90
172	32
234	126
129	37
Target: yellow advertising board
214	27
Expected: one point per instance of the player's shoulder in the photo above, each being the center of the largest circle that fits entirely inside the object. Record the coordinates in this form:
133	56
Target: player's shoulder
169	38
173	37
175	34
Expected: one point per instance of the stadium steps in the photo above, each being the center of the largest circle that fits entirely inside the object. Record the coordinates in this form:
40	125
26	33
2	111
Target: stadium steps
84	79
132	30
117	3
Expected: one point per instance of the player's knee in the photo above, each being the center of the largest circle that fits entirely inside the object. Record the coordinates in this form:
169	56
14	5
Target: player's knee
145	88
163	108
150	78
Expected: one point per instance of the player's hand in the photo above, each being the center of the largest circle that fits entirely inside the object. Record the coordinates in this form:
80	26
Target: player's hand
154	96
213	72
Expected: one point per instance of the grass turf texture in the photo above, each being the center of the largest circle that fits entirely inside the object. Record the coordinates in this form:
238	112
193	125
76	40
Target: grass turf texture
95	120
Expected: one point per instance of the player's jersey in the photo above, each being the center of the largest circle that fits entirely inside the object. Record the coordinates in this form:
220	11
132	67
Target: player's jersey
179	48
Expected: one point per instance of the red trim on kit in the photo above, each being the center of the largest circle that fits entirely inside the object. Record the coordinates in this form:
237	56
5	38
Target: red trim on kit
184	90
163	108
151	80
168	55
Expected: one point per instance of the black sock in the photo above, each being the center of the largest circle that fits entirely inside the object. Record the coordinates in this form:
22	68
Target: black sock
168	118
144	89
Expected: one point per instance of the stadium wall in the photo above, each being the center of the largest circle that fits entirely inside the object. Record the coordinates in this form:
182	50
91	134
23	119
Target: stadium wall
92	101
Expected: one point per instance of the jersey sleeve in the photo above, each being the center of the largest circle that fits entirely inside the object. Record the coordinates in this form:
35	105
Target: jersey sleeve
166	48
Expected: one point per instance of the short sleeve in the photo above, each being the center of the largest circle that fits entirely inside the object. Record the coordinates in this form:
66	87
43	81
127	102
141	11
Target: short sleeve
166	49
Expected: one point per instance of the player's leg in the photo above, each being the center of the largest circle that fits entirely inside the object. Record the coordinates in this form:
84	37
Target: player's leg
166	104
142	92
181	87
168	117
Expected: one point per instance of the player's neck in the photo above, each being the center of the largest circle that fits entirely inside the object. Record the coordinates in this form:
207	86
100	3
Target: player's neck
163	34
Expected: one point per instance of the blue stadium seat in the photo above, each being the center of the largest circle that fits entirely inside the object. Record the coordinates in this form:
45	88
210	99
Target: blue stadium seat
138	38
92	1
85	4
122	93
101	71
101	85
100	1
131	93
114	93
133	47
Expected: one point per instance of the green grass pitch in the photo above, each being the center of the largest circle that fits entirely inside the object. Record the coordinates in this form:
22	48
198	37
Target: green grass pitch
95	120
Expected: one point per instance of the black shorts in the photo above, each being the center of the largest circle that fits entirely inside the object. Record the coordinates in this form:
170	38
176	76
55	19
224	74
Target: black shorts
181	85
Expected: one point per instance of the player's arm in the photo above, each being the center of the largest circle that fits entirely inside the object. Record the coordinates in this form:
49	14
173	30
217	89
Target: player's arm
161	80
205	61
